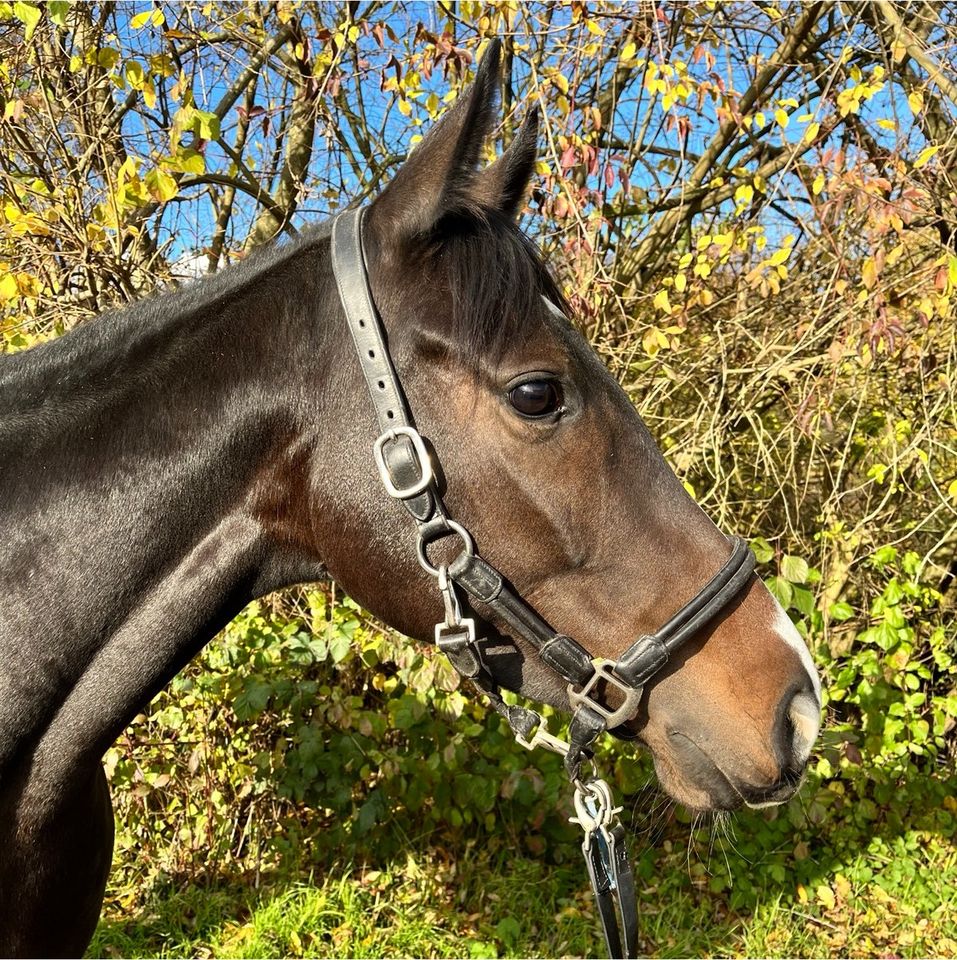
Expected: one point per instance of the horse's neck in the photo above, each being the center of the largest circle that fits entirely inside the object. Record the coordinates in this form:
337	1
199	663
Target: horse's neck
136	476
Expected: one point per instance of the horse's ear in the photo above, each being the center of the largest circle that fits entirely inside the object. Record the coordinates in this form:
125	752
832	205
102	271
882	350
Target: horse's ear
437	177
503	185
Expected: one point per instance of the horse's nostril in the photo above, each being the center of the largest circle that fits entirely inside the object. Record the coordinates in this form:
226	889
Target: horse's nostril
798	729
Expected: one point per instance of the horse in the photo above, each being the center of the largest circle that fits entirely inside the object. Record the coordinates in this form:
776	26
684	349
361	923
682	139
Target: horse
171	461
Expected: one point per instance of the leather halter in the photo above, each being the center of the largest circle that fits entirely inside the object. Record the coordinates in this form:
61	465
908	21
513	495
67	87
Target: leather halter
407	466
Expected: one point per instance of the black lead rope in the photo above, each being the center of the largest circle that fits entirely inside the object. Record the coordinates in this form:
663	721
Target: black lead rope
408	467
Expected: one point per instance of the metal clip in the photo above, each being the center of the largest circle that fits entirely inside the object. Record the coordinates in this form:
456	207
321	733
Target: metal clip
421	455
594	807
542	738
605	671
455	631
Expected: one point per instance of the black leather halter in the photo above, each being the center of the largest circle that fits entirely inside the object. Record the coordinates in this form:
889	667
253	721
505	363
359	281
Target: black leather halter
407	466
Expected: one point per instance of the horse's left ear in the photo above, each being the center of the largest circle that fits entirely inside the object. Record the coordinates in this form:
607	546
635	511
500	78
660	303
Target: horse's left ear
437	177
503	185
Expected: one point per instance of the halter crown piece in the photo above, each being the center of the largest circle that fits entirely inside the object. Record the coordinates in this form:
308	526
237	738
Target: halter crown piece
407	470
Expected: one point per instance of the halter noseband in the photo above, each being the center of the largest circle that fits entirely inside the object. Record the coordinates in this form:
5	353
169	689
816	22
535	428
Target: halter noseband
406	468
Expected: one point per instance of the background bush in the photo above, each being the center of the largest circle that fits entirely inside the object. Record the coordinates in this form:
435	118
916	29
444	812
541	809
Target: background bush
751	208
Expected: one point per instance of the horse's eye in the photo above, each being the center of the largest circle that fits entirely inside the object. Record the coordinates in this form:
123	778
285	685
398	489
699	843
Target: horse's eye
535	398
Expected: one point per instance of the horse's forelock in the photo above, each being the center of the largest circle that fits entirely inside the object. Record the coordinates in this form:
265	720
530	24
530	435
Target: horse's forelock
496	279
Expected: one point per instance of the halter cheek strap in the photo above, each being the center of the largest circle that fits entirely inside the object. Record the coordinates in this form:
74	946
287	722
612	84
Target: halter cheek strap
407	467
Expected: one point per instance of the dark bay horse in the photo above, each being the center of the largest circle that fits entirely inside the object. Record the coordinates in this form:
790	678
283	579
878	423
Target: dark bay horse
165	465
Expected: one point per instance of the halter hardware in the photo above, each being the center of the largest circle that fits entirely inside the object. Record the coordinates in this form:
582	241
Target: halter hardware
605	674
423	463
604	845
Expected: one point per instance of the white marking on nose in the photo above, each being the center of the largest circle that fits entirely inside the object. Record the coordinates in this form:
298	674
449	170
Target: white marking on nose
805	715
788	633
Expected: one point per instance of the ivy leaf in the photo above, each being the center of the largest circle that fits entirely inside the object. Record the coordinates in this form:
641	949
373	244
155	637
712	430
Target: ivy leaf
794	569
841	611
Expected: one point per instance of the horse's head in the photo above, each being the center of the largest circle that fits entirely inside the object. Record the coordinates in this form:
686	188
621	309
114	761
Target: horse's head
550	467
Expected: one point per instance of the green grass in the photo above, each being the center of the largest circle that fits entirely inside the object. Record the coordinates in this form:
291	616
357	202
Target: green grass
474	902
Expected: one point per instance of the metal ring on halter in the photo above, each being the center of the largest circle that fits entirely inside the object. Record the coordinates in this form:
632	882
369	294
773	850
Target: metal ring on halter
429	536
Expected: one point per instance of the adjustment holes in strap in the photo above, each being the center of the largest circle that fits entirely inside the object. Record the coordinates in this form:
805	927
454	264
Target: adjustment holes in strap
372	354
362	324
381	384
390	414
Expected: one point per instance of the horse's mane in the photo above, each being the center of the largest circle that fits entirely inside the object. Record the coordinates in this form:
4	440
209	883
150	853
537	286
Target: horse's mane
496	274
497	277
88	345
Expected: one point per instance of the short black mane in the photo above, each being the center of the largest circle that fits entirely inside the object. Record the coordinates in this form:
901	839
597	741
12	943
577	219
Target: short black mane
497	278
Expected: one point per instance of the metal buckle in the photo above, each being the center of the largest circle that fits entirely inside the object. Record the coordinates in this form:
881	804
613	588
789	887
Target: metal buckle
542	738
421	454
446	634
604	670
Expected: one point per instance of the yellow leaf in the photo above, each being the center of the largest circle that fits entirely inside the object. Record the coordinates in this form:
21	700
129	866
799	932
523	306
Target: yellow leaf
826	896
782	117
925	155
681	282
161	185
810	135
561	81
141	19
8	287
886	124
952	493
778	257
662	302
915	100
628	51
818	184
869	273
405	108
743	194
594	28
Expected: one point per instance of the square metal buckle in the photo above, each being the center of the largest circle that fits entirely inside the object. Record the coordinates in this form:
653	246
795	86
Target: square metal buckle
421	455
605	672
451	635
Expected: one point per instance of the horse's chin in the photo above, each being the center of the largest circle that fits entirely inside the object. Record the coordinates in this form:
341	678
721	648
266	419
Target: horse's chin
696	782
689	775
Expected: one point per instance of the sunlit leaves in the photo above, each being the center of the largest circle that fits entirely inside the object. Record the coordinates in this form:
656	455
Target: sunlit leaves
29	15
161	185
926	155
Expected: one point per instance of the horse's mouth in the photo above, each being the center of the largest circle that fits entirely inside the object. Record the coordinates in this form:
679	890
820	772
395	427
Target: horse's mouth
695	780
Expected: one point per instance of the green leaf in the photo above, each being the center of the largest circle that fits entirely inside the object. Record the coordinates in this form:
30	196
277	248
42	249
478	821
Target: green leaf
781	590
339	647
161	185
803	601
28	15
763	551
841	611
57	11
794	569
